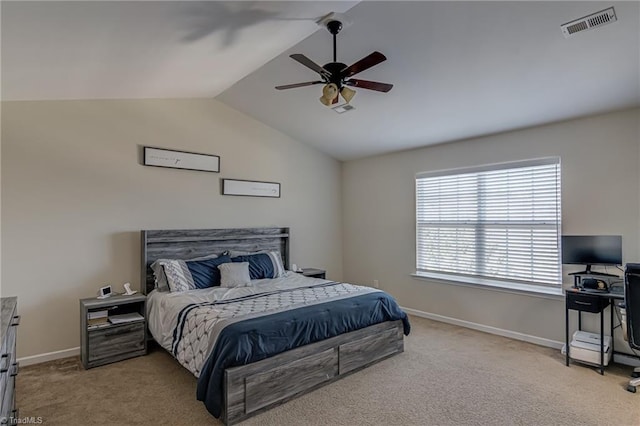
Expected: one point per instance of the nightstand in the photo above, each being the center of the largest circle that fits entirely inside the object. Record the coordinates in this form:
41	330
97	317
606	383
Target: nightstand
112	329
314	273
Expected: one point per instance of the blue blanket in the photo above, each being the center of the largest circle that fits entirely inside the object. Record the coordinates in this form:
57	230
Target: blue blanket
255	339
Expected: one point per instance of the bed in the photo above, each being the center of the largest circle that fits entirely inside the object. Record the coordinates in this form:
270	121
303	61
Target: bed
255	347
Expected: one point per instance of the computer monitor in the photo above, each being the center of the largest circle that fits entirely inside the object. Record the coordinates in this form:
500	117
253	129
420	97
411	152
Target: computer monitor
592	250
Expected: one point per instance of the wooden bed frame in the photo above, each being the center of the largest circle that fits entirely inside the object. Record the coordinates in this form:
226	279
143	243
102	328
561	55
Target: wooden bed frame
253	388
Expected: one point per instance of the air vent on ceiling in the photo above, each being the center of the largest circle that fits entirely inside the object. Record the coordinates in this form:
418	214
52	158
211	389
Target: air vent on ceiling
341	109
594	20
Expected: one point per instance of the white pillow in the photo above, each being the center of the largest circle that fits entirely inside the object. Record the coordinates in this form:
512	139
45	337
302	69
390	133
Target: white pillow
234	274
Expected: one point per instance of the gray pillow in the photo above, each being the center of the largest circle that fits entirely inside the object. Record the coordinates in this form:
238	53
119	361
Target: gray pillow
234	274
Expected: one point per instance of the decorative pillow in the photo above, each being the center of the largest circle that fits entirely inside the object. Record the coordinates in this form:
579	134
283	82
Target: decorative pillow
178	275
157	267
234	274
263	265
159	275
205	272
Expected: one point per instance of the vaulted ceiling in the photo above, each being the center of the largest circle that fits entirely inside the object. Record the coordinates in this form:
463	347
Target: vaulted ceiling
142	49
459	69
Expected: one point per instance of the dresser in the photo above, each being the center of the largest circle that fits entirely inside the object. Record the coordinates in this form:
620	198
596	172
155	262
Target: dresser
9	321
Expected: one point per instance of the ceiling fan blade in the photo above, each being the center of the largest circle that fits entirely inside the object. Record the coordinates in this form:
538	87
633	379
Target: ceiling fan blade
310	64
293	86
371	85
363	64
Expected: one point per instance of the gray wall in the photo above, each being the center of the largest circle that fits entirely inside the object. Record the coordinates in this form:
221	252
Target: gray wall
74	198
600	195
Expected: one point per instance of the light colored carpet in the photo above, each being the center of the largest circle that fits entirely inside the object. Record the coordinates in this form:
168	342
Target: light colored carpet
447	376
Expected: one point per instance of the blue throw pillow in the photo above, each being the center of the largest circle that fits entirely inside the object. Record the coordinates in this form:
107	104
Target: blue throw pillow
205	273
262	265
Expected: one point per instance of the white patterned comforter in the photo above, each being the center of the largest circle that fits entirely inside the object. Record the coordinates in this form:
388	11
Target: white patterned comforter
203	323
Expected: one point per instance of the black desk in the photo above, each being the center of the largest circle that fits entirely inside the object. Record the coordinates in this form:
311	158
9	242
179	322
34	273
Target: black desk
594	302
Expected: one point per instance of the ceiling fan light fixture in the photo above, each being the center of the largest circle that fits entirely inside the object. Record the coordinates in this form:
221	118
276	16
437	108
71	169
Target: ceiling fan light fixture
329	94
336	75
347	94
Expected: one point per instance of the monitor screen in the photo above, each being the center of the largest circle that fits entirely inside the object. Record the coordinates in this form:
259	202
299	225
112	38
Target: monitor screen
592	249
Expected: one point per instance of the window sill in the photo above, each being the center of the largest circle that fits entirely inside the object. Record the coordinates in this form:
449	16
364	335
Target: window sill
517	288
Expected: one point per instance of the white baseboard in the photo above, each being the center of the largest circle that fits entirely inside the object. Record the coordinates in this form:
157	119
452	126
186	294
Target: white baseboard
49	356
618	357
487	329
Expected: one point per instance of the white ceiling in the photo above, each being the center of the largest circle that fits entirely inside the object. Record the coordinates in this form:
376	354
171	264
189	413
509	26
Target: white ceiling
140	49
460	69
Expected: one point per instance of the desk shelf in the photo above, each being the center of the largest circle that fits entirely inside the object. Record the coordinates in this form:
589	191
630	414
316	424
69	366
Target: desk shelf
586	302
595	303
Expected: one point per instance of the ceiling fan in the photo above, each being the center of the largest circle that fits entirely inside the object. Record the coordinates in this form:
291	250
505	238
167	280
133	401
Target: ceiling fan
336	76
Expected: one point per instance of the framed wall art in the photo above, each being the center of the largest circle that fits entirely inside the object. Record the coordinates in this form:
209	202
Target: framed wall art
250	188
173	159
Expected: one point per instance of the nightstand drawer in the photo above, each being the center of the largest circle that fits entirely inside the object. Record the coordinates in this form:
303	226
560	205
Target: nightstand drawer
116	340
586	302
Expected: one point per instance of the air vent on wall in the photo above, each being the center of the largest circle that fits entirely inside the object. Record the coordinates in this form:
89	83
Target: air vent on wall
594	20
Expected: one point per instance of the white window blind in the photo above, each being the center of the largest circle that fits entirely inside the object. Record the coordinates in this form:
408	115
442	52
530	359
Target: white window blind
500	222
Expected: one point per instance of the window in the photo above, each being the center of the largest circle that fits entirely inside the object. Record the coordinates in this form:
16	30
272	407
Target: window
500	222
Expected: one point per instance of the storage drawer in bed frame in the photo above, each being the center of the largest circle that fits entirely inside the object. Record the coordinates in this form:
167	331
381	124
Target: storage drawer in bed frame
253	388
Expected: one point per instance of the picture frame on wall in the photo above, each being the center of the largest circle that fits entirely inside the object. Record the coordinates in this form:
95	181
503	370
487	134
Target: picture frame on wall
174	159
250	188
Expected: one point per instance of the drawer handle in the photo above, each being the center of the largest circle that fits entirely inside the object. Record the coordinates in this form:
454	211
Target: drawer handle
16	368
4	363
16	321
583	303
115	333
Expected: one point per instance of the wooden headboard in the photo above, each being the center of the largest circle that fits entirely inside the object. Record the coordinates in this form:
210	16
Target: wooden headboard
191	243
